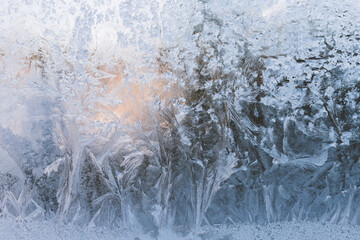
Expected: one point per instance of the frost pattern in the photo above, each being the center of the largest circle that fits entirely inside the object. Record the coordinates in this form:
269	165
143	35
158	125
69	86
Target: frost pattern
180	113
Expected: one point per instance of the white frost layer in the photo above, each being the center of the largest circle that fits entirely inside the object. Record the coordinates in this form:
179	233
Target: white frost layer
282	231
15	229
11	229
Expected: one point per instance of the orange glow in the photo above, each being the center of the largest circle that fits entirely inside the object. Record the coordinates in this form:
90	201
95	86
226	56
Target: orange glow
135	95
116	97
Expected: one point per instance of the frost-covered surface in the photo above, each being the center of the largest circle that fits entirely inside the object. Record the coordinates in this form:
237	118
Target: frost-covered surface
279	231
179	114
34	230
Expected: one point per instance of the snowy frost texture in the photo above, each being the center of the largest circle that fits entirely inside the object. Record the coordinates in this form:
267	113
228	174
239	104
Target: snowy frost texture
180	114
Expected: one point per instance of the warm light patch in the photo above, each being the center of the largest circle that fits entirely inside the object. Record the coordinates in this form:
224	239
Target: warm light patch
114	91
133	94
